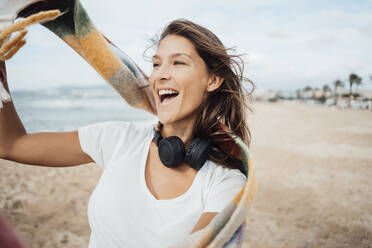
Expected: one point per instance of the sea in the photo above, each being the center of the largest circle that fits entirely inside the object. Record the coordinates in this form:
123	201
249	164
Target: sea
68	108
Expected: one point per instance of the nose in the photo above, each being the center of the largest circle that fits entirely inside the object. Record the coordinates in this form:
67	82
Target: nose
163	72
164	76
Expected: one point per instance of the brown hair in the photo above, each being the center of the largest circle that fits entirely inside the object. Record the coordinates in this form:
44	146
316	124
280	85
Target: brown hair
228	103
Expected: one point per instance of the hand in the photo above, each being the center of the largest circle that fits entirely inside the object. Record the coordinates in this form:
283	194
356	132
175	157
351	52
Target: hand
9	47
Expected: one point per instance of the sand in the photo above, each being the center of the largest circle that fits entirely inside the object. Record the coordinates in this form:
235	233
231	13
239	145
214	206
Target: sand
314	170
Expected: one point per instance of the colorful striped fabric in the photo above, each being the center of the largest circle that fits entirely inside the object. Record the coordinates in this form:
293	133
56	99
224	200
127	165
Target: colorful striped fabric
227	229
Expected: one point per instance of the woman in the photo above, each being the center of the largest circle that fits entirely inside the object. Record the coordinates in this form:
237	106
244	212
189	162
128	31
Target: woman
140	199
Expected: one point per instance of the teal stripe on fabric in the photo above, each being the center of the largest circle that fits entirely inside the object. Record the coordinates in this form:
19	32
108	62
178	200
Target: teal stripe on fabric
83	24
74	21
244	151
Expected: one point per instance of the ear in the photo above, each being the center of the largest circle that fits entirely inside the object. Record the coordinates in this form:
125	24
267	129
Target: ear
214	82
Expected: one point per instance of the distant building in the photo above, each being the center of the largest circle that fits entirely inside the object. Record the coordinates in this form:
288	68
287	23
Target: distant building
361	99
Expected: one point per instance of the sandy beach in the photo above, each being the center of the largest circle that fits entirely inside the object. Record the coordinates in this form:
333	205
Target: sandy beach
314	170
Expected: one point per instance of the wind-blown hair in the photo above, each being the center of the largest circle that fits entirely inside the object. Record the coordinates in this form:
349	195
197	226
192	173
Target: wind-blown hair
227	104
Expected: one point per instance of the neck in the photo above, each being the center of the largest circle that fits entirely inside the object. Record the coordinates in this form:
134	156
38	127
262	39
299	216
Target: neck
183	129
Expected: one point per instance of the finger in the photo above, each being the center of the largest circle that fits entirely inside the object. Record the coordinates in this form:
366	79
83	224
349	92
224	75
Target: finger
14	49
7	46
42	16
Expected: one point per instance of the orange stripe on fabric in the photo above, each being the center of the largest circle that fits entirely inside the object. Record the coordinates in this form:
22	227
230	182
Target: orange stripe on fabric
238	197
252	185
99	55
74	43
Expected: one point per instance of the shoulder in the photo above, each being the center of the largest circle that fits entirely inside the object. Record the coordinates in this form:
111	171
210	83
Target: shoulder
110	134
220	186
119	127
104	141
106	125
215	174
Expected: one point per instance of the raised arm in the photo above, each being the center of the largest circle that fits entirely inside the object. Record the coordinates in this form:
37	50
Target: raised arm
75	28
45	149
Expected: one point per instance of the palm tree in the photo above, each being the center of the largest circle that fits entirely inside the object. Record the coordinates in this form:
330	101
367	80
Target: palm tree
358	81
326	88
352	79
306	90
338	83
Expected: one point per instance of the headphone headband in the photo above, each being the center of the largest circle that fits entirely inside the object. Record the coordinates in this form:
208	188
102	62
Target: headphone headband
172	151
157	137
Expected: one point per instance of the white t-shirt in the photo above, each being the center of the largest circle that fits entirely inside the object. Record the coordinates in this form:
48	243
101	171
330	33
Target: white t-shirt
123	212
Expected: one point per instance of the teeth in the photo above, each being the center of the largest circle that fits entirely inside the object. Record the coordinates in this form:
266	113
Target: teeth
165	92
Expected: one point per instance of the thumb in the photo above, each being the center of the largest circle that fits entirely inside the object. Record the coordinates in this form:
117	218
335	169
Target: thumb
9	48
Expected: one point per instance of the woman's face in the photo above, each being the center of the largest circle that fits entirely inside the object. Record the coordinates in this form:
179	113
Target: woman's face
179	79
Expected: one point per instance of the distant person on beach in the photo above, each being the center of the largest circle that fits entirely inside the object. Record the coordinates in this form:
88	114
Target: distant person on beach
164	182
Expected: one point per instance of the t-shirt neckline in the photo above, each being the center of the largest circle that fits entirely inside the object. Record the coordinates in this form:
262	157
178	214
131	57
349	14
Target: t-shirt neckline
146	189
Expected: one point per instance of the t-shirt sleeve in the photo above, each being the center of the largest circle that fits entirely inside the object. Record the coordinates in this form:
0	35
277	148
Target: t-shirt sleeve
101	140
227	183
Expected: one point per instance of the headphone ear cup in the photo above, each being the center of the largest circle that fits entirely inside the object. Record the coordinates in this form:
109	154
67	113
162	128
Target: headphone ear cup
171	151
197	153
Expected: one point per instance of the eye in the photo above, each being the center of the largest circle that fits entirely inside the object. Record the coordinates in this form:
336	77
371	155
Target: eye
178	63
155	64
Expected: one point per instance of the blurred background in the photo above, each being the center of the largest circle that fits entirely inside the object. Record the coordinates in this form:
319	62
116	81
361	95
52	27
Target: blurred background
311	124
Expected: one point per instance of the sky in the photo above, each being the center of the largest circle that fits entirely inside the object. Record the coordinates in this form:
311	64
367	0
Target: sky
287	44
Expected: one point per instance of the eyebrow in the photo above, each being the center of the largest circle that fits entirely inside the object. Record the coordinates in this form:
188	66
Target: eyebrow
173	55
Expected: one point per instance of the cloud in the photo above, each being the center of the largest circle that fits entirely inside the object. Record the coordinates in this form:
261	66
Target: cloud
288	43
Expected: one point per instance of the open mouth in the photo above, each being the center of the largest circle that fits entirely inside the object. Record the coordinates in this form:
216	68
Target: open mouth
167	95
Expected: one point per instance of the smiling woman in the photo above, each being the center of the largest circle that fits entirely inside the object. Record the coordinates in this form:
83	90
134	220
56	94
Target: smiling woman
180	77
189	170
206	82
163	182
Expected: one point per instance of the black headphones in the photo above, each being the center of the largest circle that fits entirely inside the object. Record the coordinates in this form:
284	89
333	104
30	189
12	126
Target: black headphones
172	151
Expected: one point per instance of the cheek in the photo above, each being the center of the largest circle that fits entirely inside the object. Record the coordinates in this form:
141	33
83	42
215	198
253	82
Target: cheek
195	93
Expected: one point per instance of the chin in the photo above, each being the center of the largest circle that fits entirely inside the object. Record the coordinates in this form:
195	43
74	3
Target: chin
165	119
172	116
